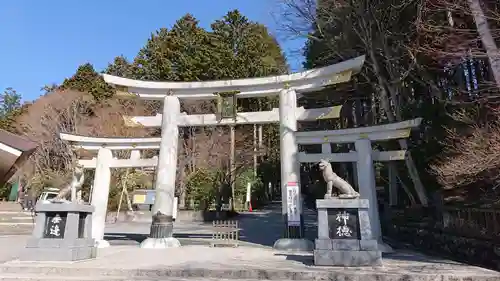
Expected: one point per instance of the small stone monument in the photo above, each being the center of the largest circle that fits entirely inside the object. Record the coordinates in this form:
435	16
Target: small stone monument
63	229
344	230
344	234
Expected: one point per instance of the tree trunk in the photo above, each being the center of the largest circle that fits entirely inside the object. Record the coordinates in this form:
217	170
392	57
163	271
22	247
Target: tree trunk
182	184
486	38
384	100
129	201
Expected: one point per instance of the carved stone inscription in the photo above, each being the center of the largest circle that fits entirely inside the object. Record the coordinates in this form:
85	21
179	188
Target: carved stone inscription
55	225
343	224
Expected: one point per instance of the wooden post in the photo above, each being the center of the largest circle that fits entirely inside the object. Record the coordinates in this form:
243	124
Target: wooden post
232	165
255	151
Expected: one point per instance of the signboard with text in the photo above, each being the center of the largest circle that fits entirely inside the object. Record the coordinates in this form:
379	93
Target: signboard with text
293	204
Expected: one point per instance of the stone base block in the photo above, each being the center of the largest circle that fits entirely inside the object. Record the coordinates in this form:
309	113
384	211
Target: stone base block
347	258
346	244
60	243
160	243
293	245
42	249
101	244
58	254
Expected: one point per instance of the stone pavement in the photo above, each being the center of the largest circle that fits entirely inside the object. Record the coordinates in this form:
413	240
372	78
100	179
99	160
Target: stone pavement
253	260
132	263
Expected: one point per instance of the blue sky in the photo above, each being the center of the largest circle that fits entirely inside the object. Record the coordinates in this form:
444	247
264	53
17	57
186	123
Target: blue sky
43	42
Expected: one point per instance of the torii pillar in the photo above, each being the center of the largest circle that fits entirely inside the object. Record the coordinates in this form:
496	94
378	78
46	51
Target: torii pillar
293	232
161	232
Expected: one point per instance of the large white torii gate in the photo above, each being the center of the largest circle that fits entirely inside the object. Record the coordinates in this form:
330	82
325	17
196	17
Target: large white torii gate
363	156
287	86
104	146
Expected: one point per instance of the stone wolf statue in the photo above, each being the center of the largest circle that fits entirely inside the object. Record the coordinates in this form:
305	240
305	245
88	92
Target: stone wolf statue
345	189
75	185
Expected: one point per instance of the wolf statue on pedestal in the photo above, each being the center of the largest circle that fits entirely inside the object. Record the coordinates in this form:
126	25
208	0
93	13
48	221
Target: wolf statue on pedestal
345	189
73	187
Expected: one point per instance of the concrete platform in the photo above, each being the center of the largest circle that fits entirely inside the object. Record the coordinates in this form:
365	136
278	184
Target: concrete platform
247	263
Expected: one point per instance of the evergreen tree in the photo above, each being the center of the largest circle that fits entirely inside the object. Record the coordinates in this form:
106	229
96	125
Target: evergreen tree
120	67
10	108
86	79
245	49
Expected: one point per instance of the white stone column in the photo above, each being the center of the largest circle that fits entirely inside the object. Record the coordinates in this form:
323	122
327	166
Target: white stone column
290	171
135	154
162	226
367	189
100	194
288	146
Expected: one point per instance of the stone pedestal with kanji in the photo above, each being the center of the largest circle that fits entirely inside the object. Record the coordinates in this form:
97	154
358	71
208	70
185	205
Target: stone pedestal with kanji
344	234
63	232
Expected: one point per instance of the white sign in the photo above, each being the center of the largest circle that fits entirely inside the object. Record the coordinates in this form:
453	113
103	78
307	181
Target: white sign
174	212
249	192
293	204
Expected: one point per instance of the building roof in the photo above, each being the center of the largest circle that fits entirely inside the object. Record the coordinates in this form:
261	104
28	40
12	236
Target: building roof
14	151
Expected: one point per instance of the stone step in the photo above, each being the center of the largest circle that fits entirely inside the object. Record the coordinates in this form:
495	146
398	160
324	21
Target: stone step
10	206
15	230
14	213
37	277
59	273
18	218
227	272
16	223
9	219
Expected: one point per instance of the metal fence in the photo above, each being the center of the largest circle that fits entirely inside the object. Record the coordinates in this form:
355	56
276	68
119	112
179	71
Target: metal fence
225	233
477	222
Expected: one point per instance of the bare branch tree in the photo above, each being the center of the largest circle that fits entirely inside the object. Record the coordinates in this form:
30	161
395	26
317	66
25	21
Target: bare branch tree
346	29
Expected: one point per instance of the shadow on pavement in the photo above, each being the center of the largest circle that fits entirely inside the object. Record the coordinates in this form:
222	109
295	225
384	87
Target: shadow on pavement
117	238
264	228
261	228
304	259
415	257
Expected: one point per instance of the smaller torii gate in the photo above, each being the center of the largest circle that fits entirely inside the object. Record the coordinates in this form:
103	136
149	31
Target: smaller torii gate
103	164
363	156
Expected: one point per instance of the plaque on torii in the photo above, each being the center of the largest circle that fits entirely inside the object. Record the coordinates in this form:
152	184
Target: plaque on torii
226	105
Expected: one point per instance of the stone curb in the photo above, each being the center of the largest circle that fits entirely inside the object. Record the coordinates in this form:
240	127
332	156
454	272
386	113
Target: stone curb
12	277
254	274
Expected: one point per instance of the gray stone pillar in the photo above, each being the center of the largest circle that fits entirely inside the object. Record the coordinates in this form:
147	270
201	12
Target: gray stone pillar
100	194
292	238
326	148
393	184
367	189
354	171
162	226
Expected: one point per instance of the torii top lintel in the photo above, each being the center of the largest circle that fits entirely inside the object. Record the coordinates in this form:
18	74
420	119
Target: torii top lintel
305	81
